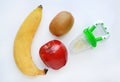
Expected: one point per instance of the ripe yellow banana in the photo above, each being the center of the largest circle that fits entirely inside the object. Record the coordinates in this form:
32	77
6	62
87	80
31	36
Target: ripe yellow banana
23	41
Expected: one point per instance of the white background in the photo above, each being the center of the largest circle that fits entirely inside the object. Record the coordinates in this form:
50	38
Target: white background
101	64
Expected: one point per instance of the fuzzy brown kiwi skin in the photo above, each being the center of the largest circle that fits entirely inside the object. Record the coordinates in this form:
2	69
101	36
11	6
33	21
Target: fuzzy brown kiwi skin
61	23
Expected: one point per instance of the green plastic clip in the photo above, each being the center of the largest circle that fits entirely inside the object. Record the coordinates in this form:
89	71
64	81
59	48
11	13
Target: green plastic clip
90	36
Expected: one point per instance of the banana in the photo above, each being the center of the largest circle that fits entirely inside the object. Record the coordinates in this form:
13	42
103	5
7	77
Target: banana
23	41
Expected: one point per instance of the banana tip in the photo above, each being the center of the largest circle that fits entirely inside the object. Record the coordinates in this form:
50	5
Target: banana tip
46	70
40	6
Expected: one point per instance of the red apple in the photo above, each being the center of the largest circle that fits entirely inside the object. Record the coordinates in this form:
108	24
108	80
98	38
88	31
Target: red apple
53	54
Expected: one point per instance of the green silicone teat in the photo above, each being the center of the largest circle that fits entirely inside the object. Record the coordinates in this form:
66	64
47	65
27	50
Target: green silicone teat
90	36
